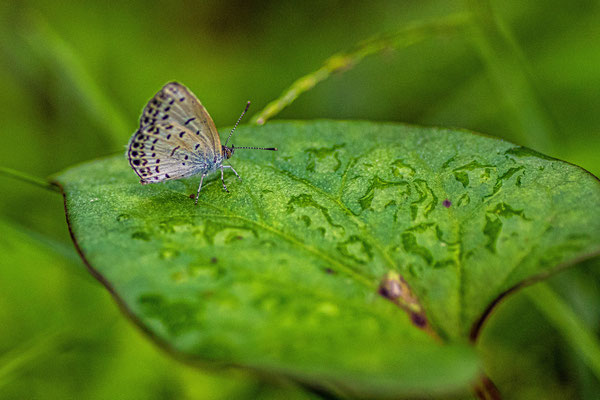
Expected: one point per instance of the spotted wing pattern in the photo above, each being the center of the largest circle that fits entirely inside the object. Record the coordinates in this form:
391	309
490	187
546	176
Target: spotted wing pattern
177	137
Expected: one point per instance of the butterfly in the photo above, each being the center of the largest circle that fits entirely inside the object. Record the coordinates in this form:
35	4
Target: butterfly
177	139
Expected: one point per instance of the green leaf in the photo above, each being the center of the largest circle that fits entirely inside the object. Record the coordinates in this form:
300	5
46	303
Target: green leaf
358	258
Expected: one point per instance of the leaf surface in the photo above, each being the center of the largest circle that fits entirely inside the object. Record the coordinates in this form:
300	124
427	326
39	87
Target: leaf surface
358	258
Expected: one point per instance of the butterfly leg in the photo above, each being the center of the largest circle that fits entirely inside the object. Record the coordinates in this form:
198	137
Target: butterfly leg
223	180
236	174
199	187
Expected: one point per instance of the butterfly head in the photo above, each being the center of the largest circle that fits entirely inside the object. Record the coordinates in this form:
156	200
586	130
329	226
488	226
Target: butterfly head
227	151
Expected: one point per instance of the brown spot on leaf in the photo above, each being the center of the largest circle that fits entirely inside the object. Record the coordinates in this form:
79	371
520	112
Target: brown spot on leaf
418	319
394	288
390	289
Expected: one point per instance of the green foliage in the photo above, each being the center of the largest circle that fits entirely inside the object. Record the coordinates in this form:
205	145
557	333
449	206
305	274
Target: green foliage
76	75
284	275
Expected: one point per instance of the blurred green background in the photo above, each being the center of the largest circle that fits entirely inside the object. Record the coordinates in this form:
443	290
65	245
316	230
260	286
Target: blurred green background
75	76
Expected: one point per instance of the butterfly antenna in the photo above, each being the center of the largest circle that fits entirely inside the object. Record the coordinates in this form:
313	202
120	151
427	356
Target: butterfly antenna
238	121
258	148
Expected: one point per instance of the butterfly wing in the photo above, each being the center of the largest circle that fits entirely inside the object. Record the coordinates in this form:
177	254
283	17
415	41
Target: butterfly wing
169	151
175	102
177	137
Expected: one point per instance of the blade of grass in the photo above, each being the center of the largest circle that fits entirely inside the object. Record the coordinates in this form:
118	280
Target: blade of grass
28	353
581	339
65	60
23	234
33	180
508	69
47	345
339	62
